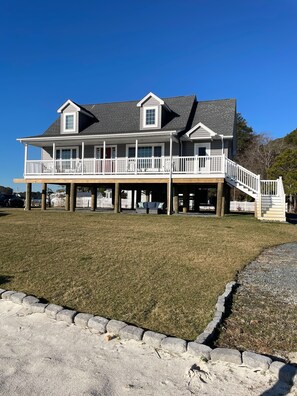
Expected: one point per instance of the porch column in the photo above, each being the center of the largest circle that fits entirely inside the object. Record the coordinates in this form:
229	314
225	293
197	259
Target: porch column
72	197
169	198
219	199
133	199
147	195
104	155
82	157
28	196
138	196
136	155
26	159
54	157
175	199
94	197
112	195
185	199
117	198
43	196
67	197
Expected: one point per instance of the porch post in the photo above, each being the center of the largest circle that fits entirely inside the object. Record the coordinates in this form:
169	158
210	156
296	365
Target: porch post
67	197
112	195
28	196
104	155
138	196
94	197
147	195
43	196
117	198
219	199
169	197
72	197
133	199
26	159
175	198
136	155
82	157
54	157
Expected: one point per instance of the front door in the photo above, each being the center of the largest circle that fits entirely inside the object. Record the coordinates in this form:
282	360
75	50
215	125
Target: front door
110	154
202	150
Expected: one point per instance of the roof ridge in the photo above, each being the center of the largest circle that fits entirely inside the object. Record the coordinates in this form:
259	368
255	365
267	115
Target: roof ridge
131	101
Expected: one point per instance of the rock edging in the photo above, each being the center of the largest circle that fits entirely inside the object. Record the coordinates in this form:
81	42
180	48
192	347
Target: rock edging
100	325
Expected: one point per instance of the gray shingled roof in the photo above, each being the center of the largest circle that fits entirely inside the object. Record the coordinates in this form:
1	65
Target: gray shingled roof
122	117
218	115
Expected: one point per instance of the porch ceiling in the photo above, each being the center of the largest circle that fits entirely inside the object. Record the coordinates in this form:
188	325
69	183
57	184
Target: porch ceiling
95	140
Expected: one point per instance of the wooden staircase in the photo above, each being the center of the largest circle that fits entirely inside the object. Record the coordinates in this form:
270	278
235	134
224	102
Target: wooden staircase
268	194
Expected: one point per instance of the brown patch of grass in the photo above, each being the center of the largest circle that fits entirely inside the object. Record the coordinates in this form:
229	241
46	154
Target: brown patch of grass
260	323
159	272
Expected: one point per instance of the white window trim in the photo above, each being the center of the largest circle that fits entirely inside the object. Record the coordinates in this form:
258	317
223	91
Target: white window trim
74	122
106	146
67	148
145	108
206	145
146	145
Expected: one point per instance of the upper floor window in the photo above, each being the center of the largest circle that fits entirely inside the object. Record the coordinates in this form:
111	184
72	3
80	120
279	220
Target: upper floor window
150	117
69	122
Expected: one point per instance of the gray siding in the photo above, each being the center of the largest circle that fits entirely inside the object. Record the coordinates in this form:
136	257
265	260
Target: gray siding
215	147
175	148
46	153
200	133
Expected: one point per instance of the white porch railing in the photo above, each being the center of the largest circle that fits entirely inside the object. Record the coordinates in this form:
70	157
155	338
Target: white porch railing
121	166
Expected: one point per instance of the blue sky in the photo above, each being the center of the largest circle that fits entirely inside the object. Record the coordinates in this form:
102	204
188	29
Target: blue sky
99	51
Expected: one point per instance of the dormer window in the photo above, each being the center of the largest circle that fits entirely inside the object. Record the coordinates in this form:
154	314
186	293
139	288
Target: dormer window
69	122
151	117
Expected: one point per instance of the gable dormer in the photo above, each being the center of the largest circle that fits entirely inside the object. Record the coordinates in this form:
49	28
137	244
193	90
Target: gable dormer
73	117
151	107
201	132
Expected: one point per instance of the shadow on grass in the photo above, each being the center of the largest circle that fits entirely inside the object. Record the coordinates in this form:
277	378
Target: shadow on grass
5	279
4	214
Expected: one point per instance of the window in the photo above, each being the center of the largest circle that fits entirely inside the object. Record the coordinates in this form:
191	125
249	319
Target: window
150	117
145	151
69	122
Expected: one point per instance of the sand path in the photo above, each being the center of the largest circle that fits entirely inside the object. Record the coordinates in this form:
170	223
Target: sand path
39	356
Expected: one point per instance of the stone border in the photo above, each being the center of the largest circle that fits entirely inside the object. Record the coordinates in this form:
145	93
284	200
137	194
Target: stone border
99	325
221	307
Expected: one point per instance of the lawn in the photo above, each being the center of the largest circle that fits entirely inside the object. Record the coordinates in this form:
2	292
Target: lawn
159	272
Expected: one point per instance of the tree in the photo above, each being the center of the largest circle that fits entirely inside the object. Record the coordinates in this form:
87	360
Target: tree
285	165
245	134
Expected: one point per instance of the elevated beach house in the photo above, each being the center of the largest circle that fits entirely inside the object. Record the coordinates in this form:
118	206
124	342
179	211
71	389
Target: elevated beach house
175	149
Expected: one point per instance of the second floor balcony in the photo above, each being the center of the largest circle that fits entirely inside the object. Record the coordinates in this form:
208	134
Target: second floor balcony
126	166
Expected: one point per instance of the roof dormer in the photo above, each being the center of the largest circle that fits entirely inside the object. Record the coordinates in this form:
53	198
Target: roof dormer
72	117
151	111
201	132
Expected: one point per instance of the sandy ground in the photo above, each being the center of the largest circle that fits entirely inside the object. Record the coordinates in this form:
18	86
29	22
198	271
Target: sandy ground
39	356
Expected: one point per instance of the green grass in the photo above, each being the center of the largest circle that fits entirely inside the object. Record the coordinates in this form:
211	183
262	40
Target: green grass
159	272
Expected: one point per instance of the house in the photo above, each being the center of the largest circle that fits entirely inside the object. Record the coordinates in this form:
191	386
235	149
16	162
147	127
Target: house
169	147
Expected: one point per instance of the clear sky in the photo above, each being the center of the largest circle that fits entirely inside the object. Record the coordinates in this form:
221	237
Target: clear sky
97	51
